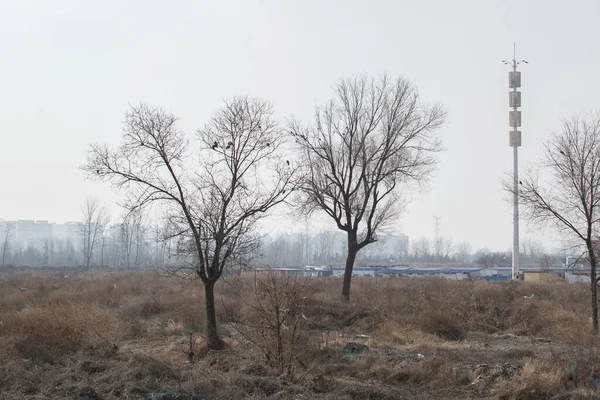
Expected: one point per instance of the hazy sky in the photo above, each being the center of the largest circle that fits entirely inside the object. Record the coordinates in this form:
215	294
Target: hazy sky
69	69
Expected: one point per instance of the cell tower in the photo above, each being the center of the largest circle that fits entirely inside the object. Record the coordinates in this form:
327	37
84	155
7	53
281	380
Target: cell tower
514	141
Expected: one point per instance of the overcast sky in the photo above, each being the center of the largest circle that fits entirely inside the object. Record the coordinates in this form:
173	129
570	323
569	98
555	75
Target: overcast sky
69	69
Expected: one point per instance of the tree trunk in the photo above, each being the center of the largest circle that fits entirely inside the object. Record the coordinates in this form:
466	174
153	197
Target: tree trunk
594	306
213	340
594	287
348	272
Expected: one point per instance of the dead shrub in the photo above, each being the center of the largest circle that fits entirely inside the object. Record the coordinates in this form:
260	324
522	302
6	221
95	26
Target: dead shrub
256	370
13	300
539	379
274	323
443	326
43	335
525	318
370	392
143	307
257	385
61	296
320	384
150	369
87	393
47	334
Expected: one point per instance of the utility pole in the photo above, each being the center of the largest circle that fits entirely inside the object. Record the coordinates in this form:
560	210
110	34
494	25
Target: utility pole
514	139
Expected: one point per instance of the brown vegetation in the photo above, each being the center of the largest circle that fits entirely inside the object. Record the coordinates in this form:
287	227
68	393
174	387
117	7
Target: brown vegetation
127	336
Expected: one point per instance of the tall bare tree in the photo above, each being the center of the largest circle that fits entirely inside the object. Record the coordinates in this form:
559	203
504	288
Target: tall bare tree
215	197
103	244
421	249
160	237
362	150
132	239
531	249
463	252
445	248
9	228
94	219
565	189
48	249
547	261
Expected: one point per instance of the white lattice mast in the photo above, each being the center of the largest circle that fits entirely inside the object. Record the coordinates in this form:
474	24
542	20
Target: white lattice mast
514	139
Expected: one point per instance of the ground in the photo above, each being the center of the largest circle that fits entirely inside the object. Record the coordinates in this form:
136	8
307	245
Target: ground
135	335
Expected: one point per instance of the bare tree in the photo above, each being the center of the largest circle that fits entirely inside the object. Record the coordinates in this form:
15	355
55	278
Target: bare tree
103	244
132	238
421	249
463	252
568	195
325	241
160	240
365	145
126	239
95	218
48	248
215	202
547	261
9	228
487	258
531	249
445	248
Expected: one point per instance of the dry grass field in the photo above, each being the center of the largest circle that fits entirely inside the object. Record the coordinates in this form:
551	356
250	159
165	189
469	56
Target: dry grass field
102	335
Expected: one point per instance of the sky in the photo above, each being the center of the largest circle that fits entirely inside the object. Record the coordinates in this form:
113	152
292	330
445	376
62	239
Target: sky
70	69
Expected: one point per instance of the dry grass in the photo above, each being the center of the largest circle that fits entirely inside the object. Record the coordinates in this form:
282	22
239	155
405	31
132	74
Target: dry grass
127	335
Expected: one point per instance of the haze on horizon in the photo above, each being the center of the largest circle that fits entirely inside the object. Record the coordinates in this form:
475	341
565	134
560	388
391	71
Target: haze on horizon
70	70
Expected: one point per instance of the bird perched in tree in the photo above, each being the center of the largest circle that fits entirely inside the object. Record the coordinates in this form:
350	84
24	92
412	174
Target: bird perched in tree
98	171
268	144
520	183
288	162
215	145
562	152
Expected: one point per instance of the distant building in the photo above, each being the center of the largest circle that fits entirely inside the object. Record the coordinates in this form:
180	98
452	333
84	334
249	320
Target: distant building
536	276
493	273
70	232
31	234
575	276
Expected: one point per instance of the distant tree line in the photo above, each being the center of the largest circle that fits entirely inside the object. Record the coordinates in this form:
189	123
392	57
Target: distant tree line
131	242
